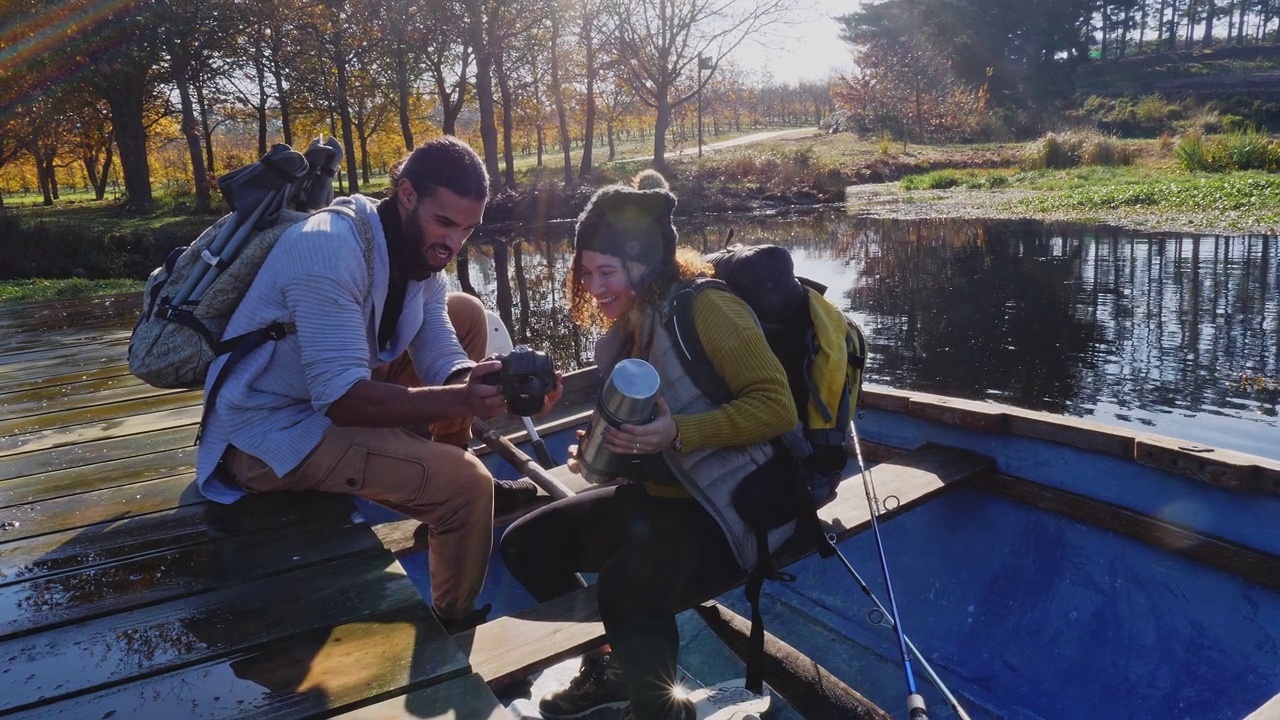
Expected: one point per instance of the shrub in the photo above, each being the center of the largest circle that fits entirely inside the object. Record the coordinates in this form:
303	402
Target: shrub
1191	153
1247	149
1057	151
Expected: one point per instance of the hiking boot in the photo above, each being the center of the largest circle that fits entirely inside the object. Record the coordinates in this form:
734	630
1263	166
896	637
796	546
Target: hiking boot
597	685
453	626
511	495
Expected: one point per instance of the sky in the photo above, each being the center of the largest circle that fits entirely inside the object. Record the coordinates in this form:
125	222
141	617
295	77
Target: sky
807	49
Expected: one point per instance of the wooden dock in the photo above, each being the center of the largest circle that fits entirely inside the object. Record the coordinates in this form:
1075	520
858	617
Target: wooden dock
125	594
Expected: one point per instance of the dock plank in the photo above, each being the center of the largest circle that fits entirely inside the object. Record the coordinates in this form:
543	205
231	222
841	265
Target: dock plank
111	650
115	427
88	478
119	539
112	504
312	673
101	415
74	396
51	601
65	457
117	370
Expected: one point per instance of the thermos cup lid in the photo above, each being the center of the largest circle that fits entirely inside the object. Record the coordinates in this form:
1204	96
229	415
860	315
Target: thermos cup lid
628	394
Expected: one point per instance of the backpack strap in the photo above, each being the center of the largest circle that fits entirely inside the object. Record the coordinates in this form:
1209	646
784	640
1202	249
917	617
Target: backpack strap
238	348
755	640
677	318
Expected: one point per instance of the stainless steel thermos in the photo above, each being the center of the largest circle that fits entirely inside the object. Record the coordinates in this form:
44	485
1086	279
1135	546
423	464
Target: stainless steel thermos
629	395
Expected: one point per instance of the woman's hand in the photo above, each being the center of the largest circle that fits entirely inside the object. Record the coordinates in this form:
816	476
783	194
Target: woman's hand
552	396
572	463
652	437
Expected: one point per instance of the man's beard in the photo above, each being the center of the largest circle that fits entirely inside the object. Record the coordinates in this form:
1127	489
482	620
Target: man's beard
419	264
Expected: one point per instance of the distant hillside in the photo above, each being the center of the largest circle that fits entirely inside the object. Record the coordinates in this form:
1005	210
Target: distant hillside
1232	76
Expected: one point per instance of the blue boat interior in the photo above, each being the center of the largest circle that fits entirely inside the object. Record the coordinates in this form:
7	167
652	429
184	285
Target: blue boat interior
1023	613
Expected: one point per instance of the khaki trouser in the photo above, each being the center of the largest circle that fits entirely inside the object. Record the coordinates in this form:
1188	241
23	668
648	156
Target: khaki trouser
436	482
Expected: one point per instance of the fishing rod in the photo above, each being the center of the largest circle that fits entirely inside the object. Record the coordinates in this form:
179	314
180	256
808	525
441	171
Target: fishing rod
915	703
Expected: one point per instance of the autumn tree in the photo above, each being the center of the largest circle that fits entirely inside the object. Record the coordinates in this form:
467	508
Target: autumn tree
902	85
659	43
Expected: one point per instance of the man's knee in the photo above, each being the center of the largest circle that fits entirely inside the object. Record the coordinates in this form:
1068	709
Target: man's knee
470	321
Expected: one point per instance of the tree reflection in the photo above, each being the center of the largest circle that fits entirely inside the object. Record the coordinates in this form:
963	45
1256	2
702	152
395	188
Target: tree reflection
1058	317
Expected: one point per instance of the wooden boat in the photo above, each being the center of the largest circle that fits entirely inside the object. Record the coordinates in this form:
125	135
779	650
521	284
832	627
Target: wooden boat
1047	567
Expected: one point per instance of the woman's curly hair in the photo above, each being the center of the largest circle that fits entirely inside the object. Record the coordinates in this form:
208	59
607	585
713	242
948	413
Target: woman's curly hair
584	311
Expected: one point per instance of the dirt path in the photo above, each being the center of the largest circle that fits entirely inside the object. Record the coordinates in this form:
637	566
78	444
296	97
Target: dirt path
744	140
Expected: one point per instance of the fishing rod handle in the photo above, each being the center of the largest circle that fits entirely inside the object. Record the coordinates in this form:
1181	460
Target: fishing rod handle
916	709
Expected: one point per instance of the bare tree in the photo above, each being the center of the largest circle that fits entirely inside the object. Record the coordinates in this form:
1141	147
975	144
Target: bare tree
660	42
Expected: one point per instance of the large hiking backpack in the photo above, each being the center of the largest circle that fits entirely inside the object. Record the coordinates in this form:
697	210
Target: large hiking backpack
823	352
173	344
188	301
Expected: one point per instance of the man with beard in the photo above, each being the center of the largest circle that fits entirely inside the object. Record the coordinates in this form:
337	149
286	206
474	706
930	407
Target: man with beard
373	392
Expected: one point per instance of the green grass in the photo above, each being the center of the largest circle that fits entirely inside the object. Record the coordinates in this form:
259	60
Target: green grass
14	292
1251	197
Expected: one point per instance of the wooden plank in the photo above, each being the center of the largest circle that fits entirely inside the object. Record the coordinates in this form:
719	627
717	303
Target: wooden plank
110	650
1256	566
342	664
112	504
78	395
88	478
510	648
465	698
88	453
1224	468
1095	437
120	539
101	430
100	345
968	414
901	484
52	601
74	376
36	317
100	415
42	370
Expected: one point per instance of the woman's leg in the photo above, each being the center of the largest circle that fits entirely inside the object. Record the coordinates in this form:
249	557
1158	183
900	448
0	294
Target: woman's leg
545	549
676	556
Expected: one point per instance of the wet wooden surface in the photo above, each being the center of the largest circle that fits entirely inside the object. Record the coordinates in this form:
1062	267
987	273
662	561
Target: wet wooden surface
124	593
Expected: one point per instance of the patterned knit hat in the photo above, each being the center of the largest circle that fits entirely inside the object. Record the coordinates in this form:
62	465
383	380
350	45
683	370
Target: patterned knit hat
632	225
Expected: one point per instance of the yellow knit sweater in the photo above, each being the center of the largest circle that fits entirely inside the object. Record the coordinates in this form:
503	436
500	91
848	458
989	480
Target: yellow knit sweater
762	407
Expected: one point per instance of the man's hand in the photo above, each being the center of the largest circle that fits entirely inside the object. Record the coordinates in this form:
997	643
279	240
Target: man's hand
485	397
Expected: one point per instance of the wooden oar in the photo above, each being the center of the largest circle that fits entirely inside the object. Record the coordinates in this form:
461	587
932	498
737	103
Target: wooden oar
519	460
806	686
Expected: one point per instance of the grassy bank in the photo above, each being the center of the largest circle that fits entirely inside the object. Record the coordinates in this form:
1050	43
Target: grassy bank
16	292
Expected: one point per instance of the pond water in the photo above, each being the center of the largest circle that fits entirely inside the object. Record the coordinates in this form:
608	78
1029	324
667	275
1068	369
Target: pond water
1166	333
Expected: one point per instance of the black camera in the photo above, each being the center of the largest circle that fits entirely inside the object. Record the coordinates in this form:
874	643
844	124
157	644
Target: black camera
526	377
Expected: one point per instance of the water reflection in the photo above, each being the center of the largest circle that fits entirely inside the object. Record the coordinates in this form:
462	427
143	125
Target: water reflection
1150	330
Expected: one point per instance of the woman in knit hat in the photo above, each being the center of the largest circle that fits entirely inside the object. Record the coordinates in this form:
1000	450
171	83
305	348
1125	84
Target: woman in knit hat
669	538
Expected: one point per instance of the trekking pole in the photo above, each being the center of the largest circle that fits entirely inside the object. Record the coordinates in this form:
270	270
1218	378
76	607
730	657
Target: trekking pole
915	703
220	241
211	273
539	445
